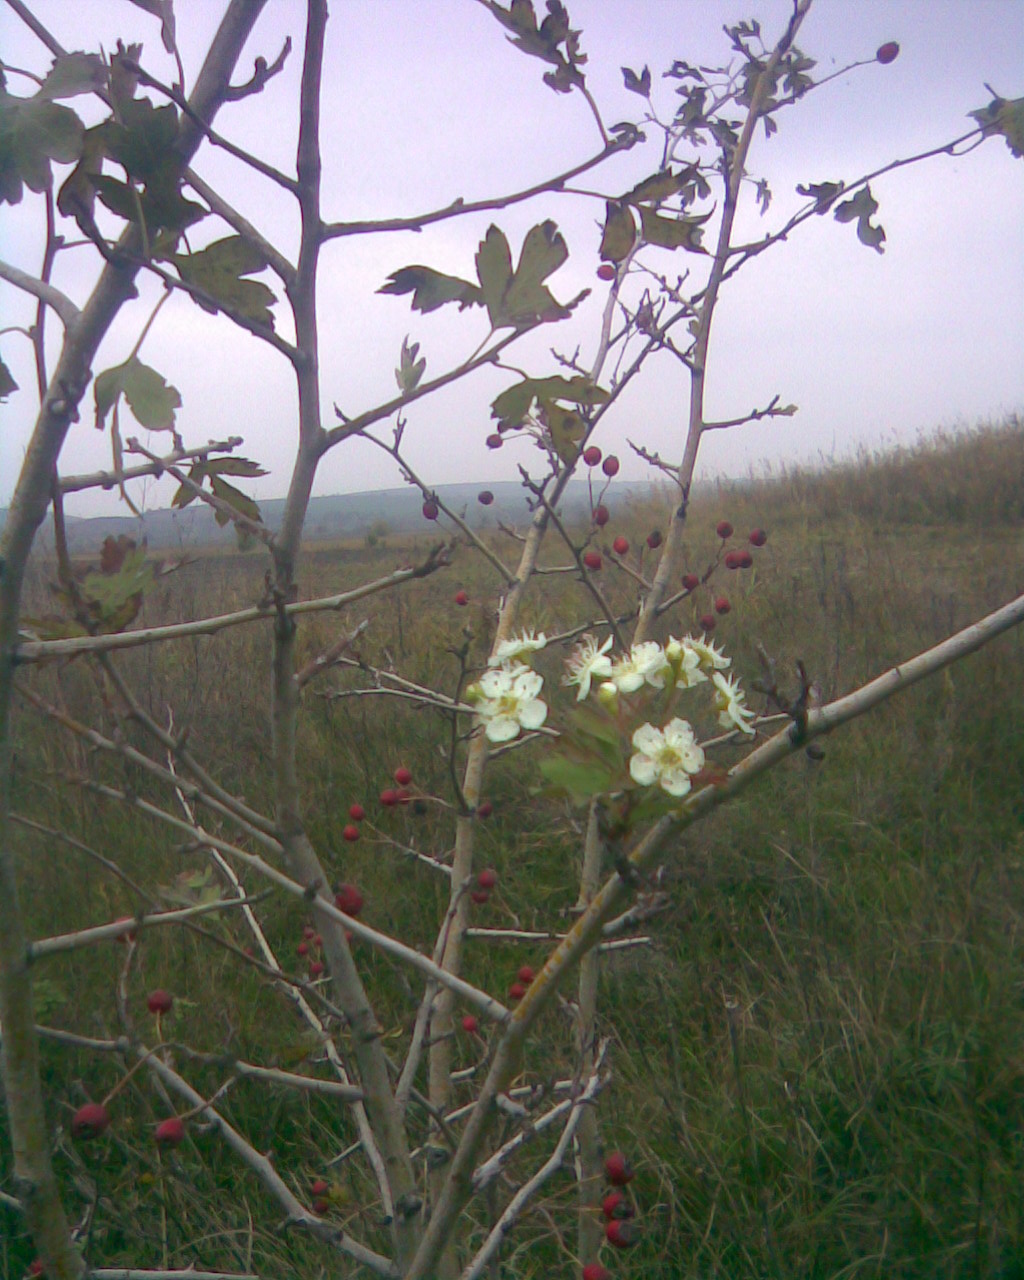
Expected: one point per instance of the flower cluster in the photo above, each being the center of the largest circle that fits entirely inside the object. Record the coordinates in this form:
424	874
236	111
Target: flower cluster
505	697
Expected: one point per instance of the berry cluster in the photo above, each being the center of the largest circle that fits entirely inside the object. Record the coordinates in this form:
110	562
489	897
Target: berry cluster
620	1229
734	558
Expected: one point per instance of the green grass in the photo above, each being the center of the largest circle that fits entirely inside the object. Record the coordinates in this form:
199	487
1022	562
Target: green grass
818	1062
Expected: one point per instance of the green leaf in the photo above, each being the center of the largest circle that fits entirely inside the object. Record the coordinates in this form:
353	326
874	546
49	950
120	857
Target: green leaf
640	84
580	780
164	10
512	405
862	207
1003	116
34	132
619	235
410	370
494	271
149	397
72	74
114	594
219	270
141	140
544	250
673	233
566	429
431	289
824	194
660	186
7	383
235	499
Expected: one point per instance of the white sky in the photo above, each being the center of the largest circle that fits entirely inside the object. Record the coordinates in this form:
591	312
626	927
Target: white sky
427	101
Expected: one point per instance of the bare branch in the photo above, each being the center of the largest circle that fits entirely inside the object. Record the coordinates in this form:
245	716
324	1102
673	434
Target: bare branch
111	480
41	289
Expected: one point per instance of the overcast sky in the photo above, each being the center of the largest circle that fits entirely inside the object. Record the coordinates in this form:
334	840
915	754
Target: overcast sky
425	101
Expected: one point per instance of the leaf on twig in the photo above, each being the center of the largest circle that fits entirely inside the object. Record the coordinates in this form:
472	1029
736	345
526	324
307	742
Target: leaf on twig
673	233
210	467
73	74
151	399
219	271
410	370
619	235
824	194
640	84
513	405
862	207
431	289
1003	116
7	383
34	132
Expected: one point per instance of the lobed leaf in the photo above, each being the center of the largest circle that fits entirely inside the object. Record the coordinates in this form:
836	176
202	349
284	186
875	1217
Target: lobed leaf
219	271
431	289
151	399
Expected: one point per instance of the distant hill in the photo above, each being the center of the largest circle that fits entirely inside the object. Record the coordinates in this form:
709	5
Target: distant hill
345	515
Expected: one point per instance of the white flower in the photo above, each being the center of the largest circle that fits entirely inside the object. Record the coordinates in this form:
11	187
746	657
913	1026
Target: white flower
708	657
666	756
506	700
685	662
730	703
645	663
587	661
517	648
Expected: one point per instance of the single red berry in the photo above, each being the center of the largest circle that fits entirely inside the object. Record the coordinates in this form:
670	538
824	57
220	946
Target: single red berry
732	559
592	559
319	1187
403	776
617	1169
601	516
615	1205
592	455
888	52
170	1133
621	1233
745	558
516	991
757	538
480	896
317	940
485	497
654	539
595	1271
356	812
351	832
526	973
494	441
484	810
36	1268
403	795
321	1205
621	546
461	598
707	621
316	968
159	1001
308	932
690	582
723	529
470	1025
430	509
90	1120
610	466
348	899
303	948
487	878
606	271
389	797
722	604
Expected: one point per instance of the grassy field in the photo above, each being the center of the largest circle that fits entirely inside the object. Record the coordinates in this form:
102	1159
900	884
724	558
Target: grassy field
818	1060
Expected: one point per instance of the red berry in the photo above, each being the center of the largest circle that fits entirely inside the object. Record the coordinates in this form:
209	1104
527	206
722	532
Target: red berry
592	455
159	1001
595	1271
516	991
321	1205
707	621
348	899
316	968
430	509
461	598
592	559
723	529
606	271
356	812
601	516
617	1169
485	497
888	52
36	1268
351	832
319	1187
494	441
615	1205
403	795
303	948
757	538
621	1233
732	559
484	810
487	878
308	932
621	546
480	896
722	604
403	776
470	1025
610	466
389	797
90	1120
526	974
654	539
170	1133
690	582
745	558
317	940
